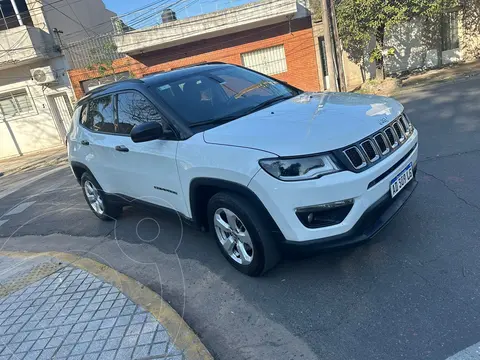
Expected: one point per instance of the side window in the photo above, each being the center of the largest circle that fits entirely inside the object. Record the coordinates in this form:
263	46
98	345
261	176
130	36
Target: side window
100	114
133	108
84	117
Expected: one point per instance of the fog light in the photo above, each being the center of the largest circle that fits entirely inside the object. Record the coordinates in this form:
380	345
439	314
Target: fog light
325	214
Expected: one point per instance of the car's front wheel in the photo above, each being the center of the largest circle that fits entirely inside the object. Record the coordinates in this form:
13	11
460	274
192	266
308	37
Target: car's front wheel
242	234
96	199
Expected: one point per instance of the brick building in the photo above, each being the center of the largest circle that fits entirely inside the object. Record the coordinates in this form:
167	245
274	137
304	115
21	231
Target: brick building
271	36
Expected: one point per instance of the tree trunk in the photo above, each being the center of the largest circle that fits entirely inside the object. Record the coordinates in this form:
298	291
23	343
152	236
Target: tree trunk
380	63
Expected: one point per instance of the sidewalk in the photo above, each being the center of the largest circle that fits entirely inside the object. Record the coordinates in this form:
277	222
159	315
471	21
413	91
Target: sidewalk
53	307
53	156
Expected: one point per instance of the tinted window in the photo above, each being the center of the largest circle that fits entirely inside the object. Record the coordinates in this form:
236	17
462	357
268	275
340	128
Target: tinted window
134	108
84	116
220	92
100	115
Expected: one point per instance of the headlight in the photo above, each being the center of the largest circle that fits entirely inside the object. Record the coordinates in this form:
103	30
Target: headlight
301	168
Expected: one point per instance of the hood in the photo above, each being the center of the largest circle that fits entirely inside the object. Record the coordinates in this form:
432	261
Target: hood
308	123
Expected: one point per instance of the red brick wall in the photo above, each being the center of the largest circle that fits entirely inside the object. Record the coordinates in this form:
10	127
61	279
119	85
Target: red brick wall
296	37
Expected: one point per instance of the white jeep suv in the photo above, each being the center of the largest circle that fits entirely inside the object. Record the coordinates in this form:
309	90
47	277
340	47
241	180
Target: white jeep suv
259	163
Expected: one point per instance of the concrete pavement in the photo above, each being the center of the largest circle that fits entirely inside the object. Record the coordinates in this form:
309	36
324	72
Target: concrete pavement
411	293
52	307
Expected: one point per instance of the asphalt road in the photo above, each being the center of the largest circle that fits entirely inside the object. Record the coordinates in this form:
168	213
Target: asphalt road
413	292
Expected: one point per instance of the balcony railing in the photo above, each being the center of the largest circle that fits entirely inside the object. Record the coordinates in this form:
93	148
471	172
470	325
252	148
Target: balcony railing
155	14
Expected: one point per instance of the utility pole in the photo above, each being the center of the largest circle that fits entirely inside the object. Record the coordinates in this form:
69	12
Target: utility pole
338	48
15	9
328	45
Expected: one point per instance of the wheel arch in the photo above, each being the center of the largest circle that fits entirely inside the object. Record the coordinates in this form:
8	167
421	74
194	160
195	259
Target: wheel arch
202	189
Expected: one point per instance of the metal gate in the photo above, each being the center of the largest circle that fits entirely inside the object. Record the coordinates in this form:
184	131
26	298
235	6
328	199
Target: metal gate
62	113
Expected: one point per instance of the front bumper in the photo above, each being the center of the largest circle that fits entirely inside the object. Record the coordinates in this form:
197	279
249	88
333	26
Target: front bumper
373	220
369	189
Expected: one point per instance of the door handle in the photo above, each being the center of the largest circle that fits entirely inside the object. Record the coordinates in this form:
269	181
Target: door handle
121	148
84	142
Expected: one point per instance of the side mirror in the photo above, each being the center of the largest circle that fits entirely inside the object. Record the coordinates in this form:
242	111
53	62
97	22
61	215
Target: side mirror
146	132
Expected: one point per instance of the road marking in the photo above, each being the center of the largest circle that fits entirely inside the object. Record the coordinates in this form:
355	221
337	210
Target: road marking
3	222
26	182
470	353
20	208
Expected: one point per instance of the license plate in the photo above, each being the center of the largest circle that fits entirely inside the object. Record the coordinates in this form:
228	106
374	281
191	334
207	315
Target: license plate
401	180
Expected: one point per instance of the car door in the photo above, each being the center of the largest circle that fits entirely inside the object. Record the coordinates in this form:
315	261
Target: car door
149	169
98	139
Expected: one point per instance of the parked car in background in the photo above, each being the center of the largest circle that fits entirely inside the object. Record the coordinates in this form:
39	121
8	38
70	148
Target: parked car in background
259	163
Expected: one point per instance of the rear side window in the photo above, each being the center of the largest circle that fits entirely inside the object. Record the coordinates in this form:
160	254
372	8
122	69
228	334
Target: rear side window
100	115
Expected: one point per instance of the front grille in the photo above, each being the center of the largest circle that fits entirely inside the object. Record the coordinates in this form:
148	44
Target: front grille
391	137
377	146
381	143
355	157
398	131
370	151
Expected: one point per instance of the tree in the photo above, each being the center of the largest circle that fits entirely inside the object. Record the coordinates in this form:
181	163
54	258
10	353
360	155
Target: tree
359	20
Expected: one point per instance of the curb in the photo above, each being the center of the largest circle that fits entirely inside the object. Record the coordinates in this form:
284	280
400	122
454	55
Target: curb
181	334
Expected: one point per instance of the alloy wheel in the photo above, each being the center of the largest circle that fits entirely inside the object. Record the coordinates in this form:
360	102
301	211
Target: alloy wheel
94	198
233	236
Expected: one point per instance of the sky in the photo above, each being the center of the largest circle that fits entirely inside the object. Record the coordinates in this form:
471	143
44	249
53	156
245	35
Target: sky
196	7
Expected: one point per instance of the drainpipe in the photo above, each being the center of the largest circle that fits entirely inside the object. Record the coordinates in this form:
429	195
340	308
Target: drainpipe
20	22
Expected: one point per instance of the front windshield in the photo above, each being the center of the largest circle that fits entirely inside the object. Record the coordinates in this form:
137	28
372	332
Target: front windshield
220	93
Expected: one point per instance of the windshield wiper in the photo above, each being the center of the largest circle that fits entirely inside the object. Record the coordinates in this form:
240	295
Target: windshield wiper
220	120
225	119
267	103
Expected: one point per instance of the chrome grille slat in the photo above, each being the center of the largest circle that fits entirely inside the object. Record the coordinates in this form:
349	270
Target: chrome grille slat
380	144
355	157
370	150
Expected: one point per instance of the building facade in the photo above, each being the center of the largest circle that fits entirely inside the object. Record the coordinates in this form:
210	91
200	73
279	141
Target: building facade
35	92
271	36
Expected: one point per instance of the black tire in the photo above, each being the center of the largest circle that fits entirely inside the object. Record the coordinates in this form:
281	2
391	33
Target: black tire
266	253
111	210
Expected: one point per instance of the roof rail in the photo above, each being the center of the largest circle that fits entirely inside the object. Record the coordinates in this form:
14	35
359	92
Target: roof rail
106	86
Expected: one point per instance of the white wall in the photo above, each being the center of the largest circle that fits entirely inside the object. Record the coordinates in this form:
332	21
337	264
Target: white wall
91	13
37	130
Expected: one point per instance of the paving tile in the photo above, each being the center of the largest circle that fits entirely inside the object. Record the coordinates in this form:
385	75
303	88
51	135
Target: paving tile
32	355
40	344
96	346
124	354
47	333
158	349
118	331
79	327
63	330
34	335
134	329
86	316
139	318
128	341
102	334
141	351
55	342
128	310
87	336
105	305
161	336
19	337
107	355
93	325
113	344
107	323
145	339
149	327
47	354
64	351
72	338
123	320
25	346
91	356
80	348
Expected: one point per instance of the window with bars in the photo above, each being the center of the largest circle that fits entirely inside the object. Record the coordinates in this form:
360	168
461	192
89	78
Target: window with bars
14	103
450	38
269	61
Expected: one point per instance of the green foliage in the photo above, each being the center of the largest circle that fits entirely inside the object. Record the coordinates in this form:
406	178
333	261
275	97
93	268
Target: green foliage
359	20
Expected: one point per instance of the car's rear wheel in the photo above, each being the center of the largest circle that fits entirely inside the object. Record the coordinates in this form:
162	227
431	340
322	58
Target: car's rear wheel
242	234
101	206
